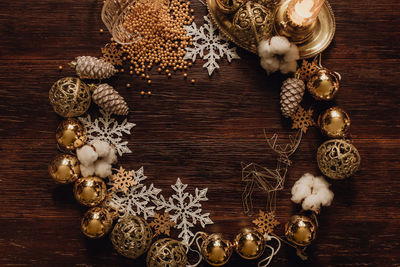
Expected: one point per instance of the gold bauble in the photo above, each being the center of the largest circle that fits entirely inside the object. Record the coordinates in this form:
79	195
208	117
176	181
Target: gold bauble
166	252
300	230
334	122
249	244
338	159
64	169
70	97
323	84
90	191
96	222
229	6
131	237
71	134
216	250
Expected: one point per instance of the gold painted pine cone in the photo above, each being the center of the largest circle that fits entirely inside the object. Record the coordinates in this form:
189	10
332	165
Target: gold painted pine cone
291	95
93	68
106	97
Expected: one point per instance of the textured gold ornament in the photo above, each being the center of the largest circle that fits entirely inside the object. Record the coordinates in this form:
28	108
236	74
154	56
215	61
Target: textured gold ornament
166	252
338	159
131	237
324	84
334	122
96	222
71	134
216	250
229	6
249	244
64	169
90	191
70	97
300	230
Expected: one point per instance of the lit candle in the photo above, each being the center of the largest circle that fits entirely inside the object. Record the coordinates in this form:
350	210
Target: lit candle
304	12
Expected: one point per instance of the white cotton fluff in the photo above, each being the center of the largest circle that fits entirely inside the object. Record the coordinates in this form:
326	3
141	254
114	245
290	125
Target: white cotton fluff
279	45
102	147
312	192
87	170
86	155
111	157
102	168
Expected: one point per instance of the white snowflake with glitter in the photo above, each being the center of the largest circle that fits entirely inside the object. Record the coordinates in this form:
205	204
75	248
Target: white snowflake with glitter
107	129
137	200
207	38
185	209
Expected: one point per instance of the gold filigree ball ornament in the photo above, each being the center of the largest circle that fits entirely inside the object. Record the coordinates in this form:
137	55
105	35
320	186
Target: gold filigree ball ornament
334	122
324	84
229	6
71	134
70	97
338	159
166	252
131	237
96	222
90	191
64	169
249	244
300	230
216	250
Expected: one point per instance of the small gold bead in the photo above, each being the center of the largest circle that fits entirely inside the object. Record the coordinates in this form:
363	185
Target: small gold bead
185	75
193	81
142	92
149	81
101	30
149	92
128	85
122	70
60	67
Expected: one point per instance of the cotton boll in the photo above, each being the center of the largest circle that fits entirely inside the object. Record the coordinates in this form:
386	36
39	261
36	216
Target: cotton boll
300	192
292	54
287	67
102	168
319	183
264	49
111	157
307	179
312	202
325	196
279	45
87	170
86	155
102	147
270	64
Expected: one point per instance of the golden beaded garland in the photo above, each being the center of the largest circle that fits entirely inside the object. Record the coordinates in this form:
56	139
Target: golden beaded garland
249	244
334	122
96	222
64	169
90	191
166	252
300	230
338	159
71	134
70	97
216	250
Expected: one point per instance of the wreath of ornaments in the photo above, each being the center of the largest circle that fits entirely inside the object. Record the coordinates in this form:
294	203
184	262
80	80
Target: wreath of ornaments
88	164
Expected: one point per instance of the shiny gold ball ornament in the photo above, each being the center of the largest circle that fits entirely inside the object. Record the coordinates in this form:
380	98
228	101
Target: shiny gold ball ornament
96	222
334	122
229	6
90	191
64	169
71	134
166	252
300	230
249	244
216	250
70	97
338	159
324	84
131	237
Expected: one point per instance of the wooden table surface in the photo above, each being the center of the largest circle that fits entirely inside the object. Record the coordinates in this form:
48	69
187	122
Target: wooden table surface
200	133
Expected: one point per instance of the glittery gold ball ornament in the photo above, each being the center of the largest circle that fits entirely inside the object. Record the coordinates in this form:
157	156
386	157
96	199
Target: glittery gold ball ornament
323	84
334	122
64	169
90	191
300	230
71	134
338	159
96	222
229	6
166	252
249	243
216	250
131	237
70	97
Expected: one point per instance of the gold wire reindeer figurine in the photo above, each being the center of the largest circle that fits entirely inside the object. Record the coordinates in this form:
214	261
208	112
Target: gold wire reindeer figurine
266	179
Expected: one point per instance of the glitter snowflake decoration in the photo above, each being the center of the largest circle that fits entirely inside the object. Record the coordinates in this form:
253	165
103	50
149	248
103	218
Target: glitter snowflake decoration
135	201
302	119
185	209
207	38
123	180
108	129
266	222
162	223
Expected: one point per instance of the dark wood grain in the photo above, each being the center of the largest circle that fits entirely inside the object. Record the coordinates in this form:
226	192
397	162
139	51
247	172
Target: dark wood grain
200	133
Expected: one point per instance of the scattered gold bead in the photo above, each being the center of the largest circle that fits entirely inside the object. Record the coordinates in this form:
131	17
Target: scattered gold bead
101	30
149	92
131	72
122	70
142	92
147	77
149	81
60	68
185	75
193	81
128	85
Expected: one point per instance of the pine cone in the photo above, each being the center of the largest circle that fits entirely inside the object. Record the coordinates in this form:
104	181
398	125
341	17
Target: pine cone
93	68
291	95
106	97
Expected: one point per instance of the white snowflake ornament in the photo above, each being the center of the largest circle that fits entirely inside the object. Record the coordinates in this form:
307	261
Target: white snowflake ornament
185	209
207	38
108	129
137	200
